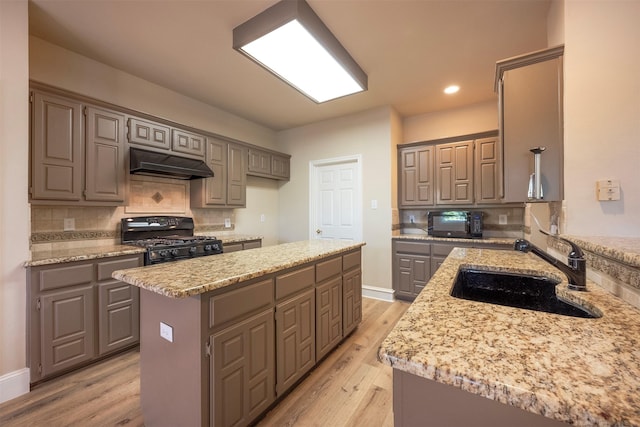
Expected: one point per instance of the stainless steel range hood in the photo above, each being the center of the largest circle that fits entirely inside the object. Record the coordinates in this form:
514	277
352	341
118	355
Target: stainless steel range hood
145	162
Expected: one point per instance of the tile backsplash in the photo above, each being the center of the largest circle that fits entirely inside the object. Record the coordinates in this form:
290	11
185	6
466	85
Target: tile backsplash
491	221
101	225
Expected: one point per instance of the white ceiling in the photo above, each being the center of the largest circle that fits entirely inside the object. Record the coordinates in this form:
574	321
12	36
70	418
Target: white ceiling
410	49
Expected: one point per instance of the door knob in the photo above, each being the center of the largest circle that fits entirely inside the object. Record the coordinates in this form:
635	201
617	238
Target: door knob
318	231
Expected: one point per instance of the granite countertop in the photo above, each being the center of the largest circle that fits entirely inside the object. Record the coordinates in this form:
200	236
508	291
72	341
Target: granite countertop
622	249
425	237
581	371
57	256
198	275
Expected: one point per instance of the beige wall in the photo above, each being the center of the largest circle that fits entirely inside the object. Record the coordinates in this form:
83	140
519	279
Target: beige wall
368	134
602	107
14	209
460	121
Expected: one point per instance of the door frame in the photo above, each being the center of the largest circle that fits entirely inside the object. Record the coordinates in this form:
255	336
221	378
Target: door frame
313	192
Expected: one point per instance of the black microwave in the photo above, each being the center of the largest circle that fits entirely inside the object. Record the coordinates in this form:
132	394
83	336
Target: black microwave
460	224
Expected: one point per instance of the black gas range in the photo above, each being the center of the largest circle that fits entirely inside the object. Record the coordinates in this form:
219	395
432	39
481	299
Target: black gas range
167	238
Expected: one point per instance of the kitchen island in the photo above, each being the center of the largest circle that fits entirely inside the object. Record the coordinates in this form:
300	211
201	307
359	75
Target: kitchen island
223	337
460	362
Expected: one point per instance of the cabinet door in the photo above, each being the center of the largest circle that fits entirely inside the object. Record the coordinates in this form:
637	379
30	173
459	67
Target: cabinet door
416	176
57	148
66	324
237	175
531	98
118	306
328	316
352	301
259	162
295	339
118	316
454	173
187	142
243	366
412	274
280	166
150	134
216	186
106	171
487	183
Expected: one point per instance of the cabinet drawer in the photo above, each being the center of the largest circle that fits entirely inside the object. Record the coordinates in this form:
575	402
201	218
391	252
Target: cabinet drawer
72	275
351	260
294	281
252	244
443	249
235	304
329	268
413	247
231	247
105	268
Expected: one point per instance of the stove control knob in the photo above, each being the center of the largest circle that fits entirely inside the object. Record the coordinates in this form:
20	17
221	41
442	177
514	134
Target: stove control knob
192	250
207	248
173	252
163	253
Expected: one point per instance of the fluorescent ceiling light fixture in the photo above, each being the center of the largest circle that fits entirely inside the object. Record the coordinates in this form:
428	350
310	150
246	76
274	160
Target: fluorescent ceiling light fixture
451	89
291	41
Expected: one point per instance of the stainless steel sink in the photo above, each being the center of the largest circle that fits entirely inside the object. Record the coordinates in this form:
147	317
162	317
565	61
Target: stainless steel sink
514	290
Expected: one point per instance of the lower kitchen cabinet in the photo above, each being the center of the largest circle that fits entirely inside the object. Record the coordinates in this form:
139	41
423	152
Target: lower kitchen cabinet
78	314
415	262
411	268
243	367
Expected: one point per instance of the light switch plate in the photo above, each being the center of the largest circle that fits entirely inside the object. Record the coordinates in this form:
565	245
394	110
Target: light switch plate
502	219
166	332
227	223
374	204
69	224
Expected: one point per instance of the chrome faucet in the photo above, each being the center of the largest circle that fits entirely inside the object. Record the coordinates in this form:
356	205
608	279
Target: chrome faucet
575	269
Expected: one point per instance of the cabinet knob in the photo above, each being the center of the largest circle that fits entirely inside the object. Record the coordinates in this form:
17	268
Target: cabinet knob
318	231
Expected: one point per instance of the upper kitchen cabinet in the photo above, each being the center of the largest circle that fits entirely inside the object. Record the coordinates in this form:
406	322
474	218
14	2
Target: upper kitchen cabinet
188	142
268	164
56	148
487	170
78	152
531	115
461	170
105	172
149	134
416	176
454	173
228	186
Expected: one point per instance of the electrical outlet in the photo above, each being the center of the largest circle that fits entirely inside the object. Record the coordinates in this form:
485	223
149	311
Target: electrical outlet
69	224
502	219
263	218
412	219
374	204
227	223
166	332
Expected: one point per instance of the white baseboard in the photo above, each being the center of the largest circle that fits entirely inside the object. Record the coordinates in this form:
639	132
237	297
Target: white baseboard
14	384
384	294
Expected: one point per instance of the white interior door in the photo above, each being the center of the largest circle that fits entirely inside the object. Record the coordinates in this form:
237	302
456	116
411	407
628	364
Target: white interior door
336	199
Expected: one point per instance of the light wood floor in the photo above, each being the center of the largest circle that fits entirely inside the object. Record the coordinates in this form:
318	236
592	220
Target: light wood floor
349	388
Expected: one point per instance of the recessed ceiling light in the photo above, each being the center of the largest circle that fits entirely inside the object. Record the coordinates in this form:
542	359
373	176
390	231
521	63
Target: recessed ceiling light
451	89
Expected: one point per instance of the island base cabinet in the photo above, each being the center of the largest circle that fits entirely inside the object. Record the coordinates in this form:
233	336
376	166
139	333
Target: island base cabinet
328	316
420	401
295	339
243	362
